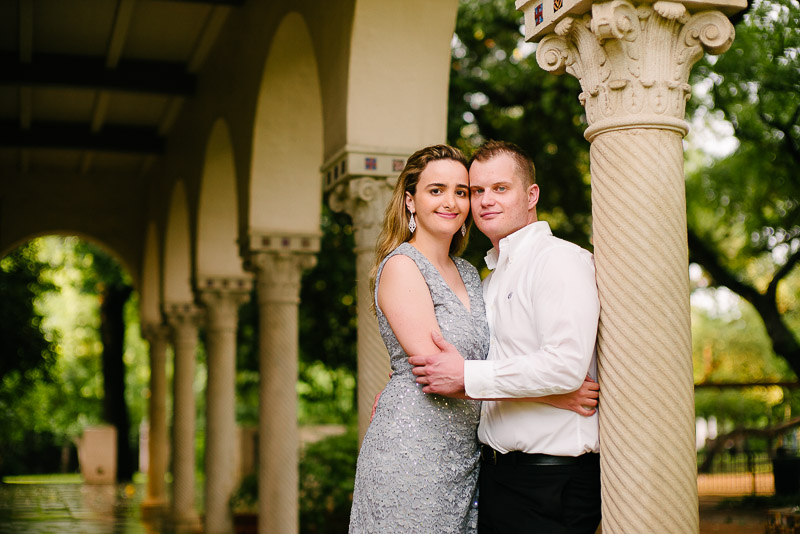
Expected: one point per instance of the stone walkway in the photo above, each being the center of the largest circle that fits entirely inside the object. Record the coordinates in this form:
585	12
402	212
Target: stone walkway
85	509
71	508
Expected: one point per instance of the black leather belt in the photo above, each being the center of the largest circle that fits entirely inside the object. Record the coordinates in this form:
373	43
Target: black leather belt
491	456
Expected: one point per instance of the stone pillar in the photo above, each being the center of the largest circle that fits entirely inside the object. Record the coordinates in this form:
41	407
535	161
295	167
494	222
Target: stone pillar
278	262
222	297
155	500
364	198
633	62
184	319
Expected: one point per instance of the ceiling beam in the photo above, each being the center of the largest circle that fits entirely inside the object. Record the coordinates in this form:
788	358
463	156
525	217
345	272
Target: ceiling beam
136	76
213	25
122	21
234	3
25	31
78	136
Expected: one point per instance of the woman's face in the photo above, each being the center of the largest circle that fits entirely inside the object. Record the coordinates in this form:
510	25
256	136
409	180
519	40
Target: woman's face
441	202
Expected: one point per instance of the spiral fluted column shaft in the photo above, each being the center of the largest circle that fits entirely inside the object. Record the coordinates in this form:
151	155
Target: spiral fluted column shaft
222	307
373	360
365	199
633	62
184	321
278	283
644	339
156	496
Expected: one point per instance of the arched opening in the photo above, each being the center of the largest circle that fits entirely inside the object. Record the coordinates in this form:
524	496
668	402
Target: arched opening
285	181
177	253
150	302
73	359
217	219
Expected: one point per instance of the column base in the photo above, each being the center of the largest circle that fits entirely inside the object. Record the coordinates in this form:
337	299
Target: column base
154	509
187	524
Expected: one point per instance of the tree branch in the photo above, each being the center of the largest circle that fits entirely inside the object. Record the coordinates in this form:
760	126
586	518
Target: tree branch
785	269
700	252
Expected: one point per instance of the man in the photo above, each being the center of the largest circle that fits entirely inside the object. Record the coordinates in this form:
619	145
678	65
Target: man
540	469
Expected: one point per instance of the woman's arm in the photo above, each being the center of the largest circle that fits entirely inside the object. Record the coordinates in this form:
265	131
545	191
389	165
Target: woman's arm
405	300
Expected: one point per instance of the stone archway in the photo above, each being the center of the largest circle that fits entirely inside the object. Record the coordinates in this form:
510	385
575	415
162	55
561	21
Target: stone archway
283	233
183	316
153	329
222	286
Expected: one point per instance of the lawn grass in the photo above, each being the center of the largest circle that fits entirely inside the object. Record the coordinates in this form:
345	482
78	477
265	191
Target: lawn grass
59	478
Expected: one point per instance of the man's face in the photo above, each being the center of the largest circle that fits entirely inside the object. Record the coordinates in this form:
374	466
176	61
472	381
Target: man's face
501	204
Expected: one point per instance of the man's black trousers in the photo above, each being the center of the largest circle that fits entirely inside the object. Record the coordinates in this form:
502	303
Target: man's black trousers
517	497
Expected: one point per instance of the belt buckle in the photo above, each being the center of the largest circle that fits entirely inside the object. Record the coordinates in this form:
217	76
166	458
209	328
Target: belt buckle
494	456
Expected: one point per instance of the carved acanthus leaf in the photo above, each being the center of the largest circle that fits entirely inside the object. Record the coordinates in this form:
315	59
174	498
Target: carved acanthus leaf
633	60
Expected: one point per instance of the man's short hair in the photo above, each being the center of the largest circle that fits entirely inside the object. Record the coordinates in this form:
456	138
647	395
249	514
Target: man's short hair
492	149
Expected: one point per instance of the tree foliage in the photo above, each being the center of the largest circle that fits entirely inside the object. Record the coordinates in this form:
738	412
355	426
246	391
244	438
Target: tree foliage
744	209
27	356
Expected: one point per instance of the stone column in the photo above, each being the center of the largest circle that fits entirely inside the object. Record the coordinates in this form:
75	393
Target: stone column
278	262
365	199
155	500
222	297
633	62
184	319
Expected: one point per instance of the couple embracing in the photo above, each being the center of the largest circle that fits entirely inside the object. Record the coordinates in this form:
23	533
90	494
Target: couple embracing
488	421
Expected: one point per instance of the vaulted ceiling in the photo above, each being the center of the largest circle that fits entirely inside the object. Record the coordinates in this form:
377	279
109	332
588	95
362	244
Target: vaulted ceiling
95	85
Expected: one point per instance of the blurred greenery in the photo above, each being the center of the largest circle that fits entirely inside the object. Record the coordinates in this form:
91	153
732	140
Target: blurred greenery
744	208
41	417
327	474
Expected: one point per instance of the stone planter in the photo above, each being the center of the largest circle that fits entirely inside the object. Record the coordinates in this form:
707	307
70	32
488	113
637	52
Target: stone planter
97	454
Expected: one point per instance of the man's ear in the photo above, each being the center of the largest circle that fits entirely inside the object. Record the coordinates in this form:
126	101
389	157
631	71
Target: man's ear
410	202
533	196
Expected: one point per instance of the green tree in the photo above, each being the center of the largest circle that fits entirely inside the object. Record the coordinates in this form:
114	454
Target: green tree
743	210
27	357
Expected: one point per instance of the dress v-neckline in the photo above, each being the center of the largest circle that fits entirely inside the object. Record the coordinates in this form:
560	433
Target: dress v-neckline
467	307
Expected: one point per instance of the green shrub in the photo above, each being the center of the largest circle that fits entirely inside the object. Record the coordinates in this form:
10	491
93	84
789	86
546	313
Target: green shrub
327	473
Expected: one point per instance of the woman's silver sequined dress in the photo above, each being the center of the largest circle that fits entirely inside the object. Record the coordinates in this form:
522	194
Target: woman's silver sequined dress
418	466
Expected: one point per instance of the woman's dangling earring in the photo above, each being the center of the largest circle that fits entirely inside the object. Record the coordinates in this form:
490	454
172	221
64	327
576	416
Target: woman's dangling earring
464	229
412	224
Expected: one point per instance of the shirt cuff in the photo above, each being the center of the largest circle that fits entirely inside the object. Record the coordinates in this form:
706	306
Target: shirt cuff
479	379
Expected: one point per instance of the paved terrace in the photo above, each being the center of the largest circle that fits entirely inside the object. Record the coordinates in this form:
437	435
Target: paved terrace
66	508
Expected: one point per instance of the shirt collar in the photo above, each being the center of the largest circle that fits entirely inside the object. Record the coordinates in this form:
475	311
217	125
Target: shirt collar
515	241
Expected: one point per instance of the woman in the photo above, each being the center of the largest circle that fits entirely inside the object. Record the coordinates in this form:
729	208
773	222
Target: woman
418	466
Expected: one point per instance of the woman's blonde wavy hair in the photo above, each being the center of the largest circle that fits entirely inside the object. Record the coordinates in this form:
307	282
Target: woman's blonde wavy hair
395	222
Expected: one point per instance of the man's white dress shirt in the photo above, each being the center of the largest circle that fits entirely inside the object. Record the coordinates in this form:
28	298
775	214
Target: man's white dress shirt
542	308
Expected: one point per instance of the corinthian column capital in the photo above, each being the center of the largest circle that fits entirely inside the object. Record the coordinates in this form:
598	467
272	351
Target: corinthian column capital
222	296
364	199
154	332
633	60
278	275
183	317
